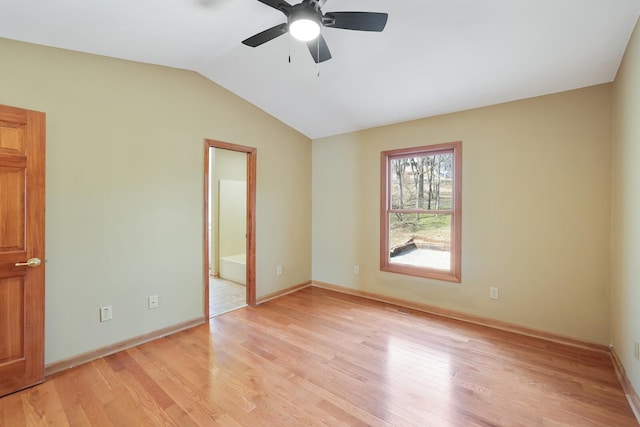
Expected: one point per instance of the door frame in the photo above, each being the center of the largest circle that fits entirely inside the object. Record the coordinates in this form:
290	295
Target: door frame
251	218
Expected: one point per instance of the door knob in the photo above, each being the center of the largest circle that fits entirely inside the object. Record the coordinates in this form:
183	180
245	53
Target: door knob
32	262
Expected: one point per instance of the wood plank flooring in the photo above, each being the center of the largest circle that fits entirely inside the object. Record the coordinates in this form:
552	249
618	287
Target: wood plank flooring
317	357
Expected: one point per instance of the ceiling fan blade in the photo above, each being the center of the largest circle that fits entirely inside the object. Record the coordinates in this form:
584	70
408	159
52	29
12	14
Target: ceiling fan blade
362	21
276	4
319	46
266	35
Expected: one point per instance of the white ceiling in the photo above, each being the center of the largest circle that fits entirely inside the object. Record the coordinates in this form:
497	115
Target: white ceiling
434	56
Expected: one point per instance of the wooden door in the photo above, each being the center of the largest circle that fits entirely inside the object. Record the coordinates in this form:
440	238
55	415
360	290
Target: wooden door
22	144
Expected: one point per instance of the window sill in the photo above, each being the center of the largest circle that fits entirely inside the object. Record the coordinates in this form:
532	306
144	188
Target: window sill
427	273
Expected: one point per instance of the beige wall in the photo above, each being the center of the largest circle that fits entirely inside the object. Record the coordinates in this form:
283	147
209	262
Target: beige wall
536	214
625	289
232	210
125	190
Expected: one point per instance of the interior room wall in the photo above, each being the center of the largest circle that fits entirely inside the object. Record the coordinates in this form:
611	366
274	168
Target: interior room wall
232	208
124	218
536	191
226	165
625	254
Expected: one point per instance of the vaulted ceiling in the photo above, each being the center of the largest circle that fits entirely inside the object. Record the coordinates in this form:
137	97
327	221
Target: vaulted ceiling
433	57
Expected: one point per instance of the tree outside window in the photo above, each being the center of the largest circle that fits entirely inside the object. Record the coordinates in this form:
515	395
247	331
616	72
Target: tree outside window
421	211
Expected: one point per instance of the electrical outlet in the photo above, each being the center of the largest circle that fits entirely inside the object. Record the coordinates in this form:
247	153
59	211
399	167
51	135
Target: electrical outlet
356	269
493	293
106	313
153	302
636	350
279	270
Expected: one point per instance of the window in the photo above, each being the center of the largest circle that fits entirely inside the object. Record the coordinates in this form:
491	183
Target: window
421	211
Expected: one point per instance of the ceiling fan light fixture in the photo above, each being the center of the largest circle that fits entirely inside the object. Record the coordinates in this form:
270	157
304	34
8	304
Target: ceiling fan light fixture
305	19
304	29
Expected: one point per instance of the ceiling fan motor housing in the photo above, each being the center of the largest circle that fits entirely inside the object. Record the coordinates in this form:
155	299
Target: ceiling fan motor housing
304	11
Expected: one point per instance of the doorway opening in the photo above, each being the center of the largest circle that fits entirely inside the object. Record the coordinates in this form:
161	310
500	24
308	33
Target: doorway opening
229	235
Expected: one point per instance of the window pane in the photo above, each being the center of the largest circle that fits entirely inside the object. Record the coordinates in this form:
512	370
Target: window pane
420	240
423	182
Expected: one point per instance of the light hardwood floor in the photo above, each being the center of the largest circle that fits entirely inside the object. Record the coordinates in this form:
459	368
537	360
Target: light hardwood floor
317	357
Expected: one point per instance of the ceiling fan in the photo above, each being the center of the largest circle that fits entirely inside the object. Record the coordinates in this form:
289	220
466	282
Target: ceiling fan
305	19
